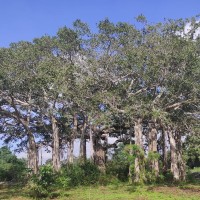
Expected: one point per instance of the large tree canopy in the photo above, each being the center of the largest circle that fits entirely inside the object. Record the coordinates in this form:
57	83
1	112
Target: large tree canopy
138	85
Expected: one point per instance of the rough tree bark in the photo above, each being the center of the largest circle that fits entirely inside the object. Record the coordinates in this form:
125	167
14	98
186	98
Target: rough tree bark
99	154
174	158
83	155
153	147
164	149
70	148
91	144
55	145
32	154
181	163
139	143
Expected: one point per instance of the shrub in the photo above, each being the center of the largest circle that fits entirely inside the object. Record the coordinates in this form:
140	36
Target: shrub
119	165
9	165
41	185
91	173
118	169
81	173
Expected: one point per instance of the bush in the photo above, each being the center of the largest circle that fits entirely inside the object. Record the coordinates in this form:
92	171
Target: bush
168	177
9	165
117	169
62	181
41	185
91	173
119	165
81	173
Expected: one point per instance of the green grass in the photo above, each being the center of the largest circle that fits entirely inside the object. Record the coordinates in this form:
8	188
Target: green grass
196	169
114	192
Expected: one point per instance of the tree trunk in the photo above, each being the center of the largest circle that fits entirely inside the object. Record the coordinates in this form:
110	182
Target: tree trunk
130	174
56	145
174	159
83	155
99	155
70	148
138	141
153	148
83	149
164	149
91	145
181	163
32	154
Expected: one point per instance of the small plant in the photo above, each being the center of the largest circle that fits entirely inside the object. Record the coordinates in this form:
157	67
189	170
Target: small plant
41	185
62	181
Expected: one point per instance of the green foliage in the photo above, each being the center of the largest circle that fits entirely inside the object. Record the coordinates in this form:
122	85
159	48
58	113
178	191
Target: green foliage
141	18
192	150
133	152
150	174
9	165
81	173
45	178
153	156
149	72
62	181
168	177
42	184
118	166
46	182
107	179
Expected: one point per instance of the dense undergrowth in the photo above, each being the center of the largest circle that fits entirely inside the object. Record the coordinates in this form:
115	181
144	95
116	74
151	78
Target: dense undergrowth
86	178
48	184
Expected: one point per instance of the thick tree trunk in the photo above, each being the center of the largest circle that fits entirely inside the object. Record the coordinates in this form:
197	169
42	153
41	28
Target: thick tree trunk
174	158
164	149
55	146
32	154
153	148
181	163
138	141
70	149
83	155
99	155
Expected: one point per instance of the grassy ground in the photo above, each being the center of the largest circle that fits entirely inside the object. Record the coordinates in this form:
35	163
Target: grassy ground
115	192
196	169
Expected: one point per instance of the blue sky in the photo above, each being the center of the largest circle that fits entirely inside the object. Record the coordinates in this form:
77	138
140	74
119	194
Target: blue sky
27	19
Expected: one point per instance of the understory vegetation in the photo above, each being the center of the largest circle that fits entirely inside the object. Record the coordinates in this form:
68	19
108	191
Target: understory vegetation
86	180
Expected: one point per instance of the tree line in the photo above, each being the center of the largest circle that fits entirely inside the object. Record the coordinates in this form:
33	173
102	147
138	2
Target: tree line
136	83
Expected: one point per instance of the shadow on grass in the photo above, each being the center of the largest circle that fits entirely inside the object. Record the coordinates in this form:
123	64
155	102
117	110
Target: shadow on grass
132	188
8	193
18	193
61	194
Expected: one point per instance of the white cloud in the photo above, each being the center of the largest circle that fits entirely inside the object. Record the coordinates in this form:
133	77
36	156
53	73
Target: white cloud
187	29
